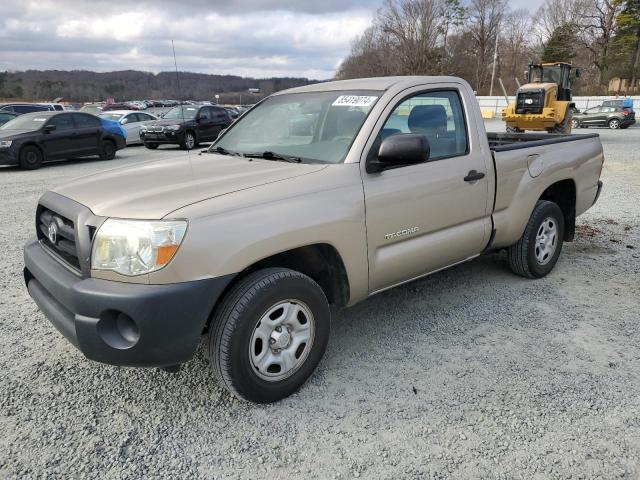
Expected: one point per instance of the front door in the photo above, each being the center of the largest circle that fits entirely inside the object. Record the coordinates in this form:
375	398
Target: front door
421	218
63	141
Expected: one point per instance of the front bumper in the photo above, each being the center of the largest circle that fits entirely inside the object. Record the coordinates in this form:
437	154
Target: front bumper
121	323
162	137
8	157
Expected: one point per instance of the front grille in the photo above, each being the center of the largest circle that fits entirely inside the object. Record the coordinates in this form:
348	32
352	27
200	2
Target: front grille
60	239
530	101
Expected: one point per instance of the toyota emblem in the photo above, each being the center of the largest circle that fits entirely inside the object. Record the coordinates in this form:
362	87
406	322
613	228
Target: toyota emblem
53	232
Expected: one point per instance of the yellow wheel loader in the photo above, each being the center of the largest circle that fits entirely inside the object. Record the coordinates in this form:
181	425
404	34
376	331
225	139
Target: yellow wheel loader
544	102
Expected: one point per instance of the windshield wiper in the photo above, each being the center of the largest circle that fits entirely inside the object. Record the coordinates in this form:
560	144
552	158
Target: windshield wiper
224	151
274	156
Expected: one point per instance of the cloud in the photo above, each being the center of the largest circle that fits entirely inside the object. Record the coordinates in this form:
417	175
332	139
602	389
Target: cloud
251	37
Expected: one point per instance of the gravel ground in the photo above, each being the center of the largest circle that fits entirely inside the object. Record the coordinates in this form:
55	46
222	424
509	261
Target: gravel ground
470	373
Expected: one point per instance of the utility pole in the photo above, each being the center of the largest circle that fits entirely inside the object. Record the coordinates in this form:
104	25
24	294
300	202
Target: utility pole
495	60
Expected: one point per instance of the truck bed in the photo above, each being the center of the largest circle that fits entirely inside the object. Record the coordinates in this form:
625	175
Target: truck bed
501	142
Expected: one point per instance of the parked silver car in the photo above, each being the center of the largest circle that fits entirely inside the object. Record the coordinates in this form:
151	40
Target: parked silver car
131	121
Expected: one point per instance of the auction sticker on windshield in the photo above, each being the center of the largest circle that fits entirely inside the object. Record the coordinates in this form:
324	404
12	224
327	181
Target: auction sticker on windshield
354	101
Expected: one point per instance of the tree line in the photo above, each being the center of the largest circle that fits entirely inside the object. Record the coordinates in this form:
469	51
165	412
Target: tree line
86	86
456	37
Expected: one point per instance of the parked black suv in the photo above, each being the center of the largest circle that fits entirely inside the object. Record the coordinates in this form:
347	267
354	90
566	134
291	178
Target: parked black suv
186	126
33	138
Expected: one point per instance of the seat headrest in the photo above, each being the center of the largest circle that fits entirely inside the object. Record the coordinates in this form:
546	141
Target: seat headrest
427	117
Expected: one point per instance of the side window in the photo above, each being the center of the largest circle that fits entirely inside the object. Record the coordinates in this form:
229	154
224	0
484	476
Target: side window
85	121
205	113
438	116
58	107
29	108
219	114
62	122
6	108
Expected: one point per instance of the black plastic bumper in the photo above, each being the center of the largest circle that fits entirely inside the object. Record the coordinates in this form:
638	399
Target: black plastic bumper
163	137
121	323
8	156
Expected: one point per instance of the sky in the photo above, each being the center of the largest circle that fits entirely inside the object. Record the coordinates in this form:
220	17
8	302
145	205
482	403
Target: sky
256	38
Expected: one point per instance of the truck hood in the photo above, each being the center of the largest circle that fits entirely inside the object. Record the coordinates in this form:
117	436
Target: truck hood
153	190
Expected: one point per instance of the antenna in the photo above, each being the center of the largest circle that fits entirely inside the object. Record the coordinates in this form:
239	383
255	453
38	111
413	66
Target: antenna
175	63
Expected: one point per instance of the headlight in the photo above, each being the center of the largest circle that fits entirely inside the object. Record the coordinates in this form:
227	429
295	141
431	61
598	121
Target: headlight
143	128
5	143
136	247
172	128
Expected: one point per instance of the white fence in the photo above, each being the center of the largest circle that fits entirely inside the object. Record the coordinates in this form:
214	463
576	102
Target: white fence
496	104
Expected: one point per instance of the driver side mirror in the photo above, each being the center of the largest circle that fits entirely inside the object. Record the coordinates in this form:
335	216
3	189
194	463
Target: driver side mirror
526	75
399	150
49	128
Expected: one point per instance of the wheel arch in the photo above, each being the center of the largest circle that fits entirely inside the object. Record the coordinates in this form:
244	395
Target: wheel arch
320	261
563	193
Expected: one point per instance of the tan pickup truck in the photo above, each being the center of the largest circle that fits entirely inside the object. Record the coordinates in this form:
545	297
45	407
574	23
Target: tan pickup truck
321	195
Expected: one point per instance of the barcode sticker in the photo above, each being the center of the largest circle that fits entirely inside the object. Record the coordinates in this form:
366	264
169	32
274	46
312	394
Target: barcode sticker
354	101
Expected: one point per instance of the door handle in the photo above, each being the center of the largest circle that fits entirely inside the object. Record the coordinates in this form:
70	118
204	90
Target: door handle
473	176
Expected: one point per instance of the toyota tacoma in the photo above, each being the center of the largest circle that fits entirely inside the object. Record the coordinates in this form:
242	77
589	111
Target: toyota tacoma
318	197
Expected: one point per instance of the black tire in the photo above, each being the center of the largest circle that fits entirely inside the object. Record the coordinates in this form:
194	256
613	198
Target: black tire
575	123
108	150
238	316
190	141
514	130
613	124
565	125
522	256
623	127
30	157
151	146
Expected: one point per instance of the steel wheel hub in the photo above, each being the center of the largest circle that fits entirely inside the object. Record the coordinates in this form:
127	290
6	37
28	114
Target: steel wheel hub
282	340
546	241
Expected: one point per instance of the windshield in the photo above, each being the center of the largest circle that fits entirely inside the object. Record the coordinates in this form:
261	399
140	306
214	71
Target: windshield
178	113
546	75
111	116
316	126
25	122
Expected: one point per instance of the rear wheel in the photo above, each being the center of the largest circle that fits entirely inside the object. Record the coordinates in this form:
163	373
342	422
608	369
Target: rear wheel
575	123
30	158
269	334
537	251
151	146
107	150
614	124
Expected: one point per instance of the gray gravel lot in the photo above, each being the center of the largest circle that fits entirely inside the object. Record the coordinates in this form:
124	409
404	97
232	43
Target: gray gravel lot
470	373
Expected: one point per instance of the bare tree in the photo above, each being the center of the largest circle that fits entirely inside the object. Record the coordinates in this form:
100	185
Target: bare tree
516	48
599	29
484	21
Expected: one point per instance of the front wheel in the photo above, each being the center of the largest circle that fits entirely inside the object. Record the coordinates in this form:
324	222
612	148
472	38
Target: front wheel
189	142
537	251
614	124
269	334
151	146
575	123
514	130
30	158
